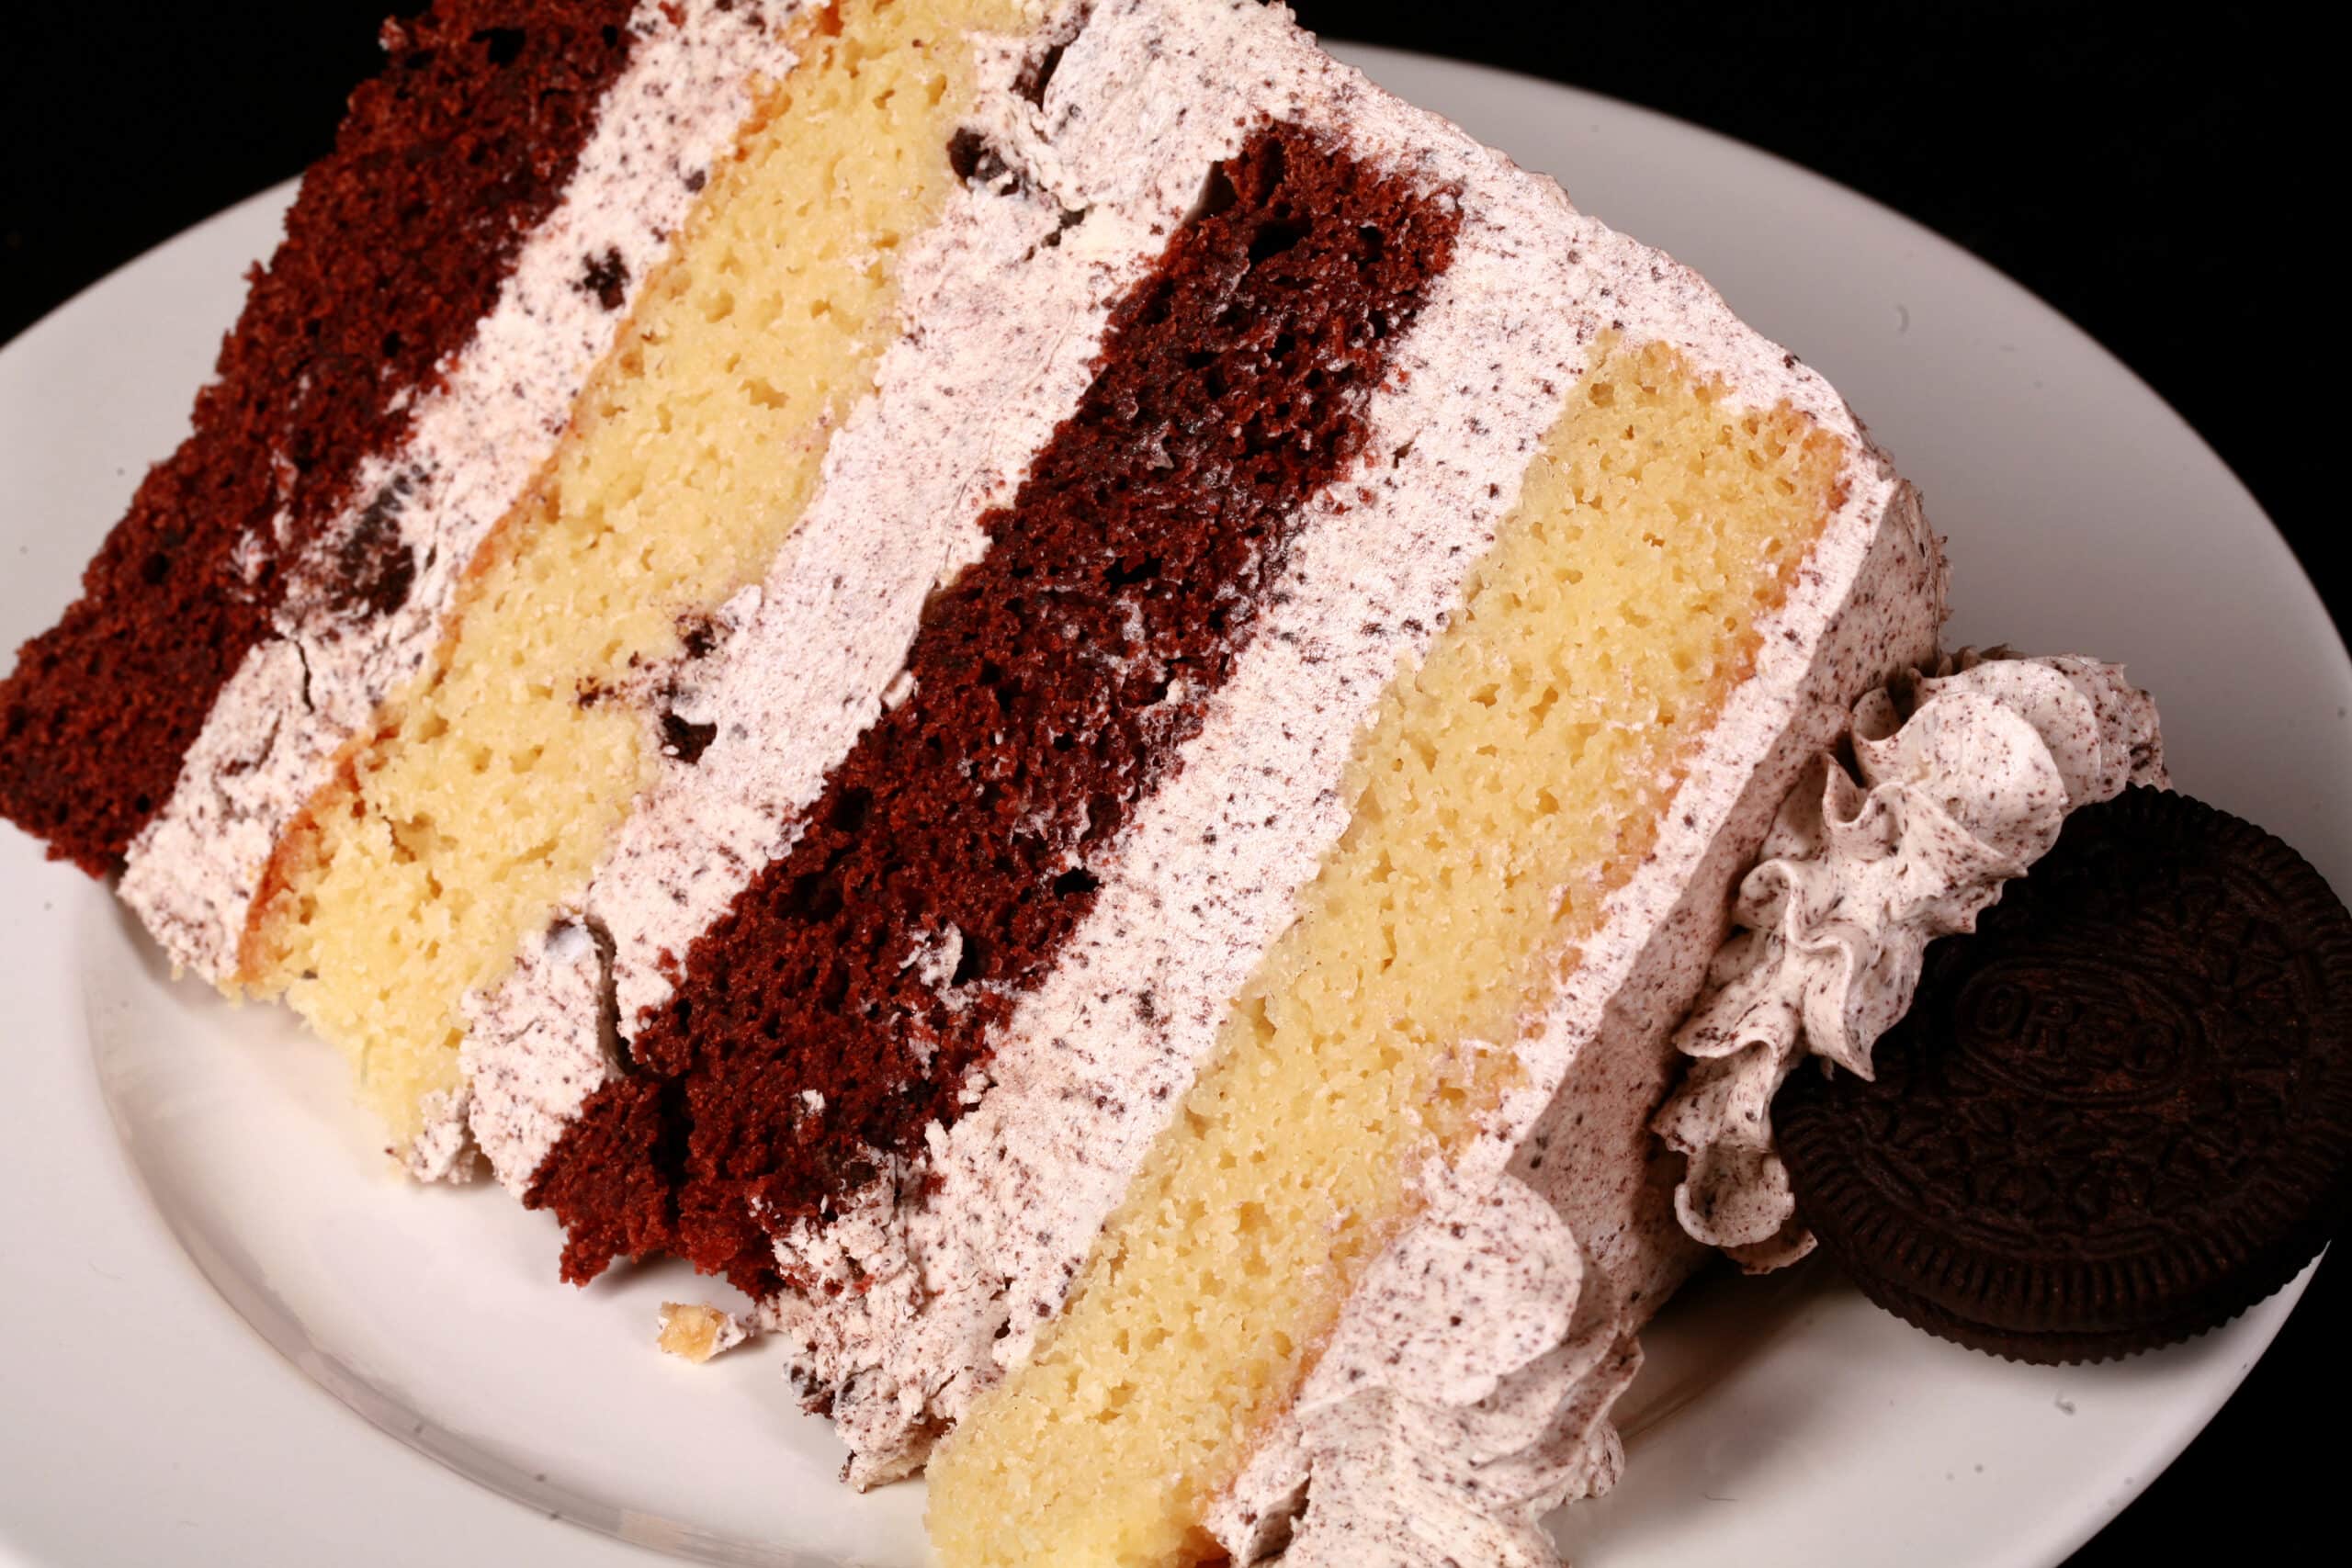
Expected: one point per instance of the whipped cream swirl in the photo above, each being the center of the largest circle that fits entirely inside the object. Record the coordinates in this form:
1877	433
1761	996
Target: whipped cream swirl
1958	781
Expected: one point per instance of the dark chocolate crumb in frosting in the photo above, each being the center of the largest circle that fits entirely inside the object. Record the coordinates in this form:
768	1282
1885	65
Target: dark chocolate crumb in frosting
604	277
1053	685
375	569
973	158
2117	1115
684	738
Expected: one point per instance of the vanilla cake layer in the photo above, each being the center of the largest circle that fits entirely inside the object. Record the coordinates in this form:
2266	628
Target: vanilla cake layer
491	784
1767	565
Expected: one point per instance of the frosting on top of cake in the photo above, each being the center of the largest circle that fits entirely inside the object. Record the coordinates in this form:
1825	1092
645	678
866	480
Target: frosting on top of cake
1961	780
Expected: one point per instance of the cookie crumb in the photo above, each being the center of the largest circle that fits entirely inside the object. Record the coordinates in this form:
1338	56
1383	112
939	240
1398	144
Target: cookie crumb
699	1332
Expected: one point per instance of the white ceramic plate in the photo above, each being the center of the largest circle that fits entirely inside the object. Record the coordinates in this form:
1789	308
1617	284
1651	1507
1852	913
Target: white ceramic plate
208	1268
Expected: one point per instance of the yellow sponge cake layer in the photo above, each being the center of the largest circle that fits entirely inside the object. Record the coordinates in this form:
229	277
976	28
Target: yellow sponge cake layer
1505	786
495	781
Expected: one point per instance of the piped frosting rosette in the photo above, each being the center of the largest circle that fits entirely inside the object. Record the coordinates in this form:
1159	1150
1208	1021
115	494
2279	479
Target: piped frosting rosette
1464	1397
1956	781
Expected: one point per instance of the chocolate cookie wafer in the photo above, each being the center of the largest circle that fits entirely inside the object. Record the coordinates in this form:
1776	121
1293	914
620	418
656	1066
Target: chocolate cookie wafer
2117	1115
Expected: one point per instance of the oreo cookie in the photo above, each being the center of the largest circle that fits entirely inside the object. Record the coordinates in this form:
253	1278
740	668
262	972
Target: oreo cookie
2117	1115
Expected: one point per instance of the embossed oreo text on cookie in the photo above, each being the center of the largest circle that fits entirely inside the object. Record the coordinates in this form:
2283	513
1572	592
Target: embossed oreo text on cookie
2083	1030
2117	1115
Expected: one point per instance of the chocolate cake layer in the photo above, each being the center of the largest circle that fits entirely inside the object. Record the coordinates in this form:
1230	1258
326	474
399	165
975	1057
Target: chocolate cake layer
830	1016
394	250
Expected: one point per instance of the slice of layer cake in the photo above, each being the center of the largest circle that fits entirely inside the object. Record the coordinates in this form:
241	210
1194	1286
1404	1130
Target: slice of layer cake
1183	995
1046	680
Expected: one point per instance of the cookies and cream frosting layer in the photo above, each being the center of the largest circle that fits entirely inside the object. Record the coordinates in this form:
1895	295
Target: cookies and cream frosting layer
366	611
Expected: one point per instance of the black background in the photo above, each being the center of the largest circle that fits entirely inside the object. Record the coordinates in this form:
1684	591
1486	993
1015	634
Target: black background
2155	172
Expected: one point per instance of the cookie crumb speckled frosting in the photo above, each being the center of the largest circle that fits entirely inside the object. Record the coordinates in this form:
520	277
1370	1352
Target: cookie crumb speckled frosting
1958	781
